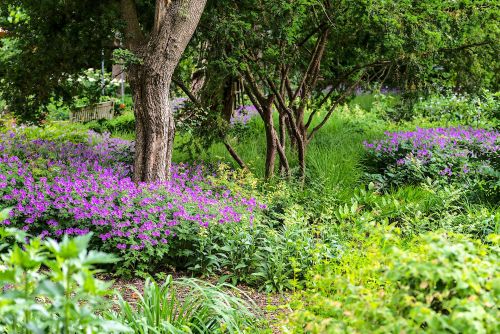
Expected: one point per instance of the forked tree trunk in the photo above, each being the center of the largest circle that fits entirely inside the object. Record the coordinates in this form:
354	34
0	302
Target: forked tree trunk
159	52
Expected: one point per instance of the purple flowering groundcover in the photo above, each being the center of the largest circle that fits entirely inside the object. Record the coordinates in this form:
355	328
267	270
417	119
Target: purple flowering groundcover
450	154
63	188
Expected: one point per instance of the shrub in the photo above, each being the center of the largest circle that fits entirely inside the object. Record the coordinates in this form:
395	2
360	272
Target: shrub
272	258
414	210
447	107
64	299
482	109
465	155
436	283
121	124
203	308
53	131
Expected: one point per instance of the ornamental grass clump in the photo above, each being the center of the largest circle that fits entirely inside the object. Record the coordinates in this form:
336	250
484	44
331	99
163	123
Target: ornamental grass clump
63	188
456	154
202	308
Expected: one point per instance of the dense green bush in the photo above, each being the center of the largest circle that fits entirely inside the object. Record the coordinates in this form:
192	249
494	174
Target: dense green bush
124	123
414	210
273	258
448	108
435	283
478	110
54	131
66	298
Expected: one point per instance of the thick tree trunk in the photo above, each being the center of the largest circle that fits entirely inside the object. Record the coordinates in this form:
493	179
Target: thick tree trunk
160	52
155	127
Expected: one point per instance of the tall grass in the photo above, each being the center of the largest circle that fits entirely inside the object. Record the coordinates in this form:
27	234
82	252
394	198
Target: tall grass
333	156
204	308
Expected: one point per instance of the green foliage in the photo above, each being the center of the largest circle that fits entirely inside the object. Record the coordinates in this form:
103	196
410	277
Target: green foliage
447	108
51	42
125	57
481	110
270	258
66	298
435	283
202	308
124	123
53	131
415	210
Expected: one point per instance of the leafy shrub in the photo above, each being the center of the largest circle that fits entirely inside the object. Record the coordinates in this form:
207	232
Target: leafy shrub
53	131
414	210
204	308
121	124
482	109
436	283
465	155
64	299
272	258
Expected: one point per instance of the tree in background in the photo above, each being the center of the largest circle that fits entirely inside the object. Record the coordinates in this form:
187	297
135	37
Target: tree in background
296	57
56	39
293	59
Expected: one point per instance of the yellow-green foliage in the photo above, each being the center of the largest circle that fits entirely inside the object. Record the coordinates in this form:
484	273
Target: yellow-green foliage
437	283
55	131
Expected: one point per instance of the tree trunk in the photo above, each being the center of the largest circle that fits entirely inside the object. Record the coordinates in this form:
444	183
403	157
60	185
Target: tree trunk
284	168
229	98
270	136
155	127
160	52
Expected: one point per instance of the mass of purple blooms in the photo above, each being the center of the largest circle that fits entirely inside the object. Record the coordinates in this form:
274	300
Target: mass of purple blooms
422	141
243	114
445	152
64	188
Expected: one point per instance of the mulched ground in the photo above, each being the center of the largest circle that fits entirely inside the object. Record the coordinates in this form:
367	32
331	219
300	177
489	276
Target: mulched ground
272	306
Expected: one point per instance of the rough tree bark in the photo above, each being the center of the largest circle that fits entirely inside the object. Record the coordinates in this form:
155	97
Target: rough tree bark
160	51
271	140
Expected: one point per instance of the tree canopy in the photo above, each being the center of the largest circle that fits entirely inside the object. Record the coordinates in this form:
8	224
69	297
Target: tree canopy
284	55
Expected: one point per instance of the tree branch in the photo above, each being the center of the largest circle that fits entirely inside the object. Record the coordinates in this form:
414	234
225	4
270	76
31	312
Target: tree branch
134	36
186	90
234	155
330	111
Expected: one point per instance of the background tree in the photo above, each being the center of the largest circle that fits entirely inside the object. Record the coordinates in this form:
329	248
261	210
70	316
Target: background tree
297	57
56	39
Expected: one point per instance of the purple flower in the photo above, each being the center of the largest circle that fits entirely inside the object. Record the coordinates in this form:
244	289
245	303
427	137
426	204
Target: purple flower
58	188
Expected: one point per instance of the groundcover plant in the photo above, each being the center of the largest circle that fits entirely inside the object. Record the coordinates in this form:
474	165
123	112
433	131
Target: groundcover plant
464	154
63	188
